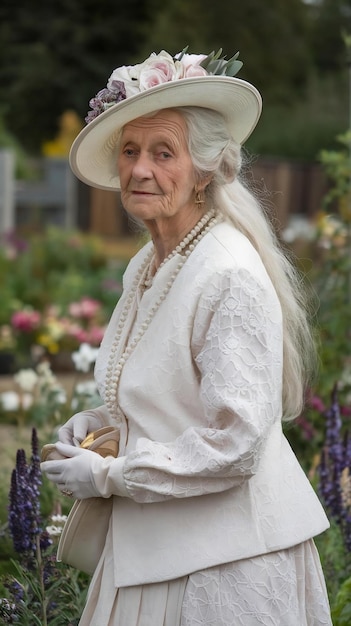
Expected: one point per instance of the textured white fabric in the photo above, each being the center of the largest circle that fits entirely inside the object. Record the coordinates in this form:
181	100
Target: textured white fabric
209	476
284	588
159	604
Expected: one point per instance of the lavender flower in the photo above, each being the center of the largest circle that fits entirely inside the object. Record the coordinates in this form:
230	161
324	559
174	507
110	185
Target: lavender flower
32	594
25	522
335	470
105	98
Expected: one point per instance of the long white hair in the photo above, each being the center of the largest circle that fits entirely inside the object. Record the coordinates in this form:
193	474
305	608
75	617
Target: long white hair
214	152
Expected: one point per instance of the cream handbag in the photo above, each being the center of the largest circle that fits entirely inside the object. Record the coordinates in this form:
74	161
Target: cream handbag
84	534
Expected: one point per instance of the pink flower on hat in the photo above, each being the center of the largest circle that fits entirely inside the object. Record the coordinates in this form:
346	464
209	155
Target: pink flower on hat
157	69
191	65
130	80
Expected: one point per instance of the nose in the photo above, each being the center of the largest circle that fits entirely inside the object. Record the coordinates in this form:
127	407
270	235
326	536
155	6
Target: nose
142	168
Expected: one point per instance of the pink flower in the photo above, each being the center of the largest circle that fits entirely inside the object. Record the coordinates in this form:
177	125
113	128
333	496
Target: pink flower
87	308
157	69
191	65
345	411
96	334
74	309
307	428
80	334
317	404
195	70
26	320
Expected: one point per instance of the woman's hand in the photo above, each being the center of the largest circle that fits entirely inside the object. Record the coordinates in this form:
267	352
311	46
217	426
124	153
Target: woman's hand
75	430
74	474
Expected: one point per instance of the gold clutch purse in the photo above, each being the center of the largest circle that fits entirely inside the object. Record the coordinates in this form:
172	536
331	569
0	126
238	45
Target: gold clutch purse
103	441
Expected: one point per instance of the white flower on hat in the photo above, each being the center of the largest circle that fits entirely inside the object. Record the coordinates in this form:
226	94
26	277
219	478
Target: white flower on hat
156	69
191	64
130	80
127	74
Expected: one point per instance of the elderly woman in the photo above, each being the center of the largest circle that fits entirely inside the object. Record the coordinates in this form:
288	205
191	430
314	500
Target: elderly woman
211	519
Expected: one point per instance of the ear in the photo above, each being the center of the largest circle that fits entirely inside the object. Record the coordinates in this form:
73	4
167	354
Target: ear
204	182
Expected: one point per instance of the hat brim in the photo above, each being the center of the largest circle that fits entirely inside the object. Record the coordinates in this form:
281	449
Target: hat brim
93	156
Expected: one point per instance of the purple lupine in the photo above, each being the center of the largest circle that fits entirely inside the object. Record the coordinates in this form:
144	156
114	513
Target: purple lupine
20	506
25	523
335	470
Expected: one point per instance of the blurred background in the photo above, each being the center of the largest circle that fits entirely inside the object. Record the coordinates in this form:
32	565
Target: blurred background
55	56
64	246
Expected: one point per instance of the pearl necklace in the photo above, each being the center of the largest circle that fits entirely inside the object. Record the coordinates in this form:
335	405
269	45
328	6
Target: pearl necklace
114	369
187	242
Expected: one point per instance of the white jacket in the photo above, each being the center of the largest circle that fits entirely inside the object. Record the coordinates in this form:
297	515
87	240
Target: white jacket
205	474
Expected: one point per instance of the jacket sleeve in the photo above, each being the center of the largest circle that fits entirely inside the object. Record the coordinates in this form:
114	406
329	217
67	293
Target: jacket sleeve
237	350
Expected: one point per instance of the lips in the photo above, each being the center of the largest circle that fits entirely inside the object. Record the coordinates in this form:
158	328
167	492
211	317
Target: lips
144	194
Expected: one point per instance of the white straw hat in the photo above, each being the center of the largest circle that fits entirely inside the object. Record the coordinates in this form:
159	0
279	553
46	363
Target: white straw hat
181	81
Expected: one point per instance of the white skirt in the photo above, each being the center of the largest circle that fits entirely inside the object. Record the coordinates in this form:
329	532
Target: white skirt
284	588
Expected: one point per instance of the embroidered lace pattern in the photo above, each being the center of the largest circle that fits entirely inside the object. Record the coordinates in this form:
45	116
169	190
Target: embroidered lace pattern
284	588
240	361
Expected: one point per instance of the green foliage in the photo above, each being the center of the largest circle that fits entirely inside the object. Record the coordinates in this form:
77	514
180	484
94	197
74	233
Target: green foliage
329	20
341	613
67	590
302	127
22	167
337	165
57	267
332	274
35	589
56	56
334	318
336	562
217	65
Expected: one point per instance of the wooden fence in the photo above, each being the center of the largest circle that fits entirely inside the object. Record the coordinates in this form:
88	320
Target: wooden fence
288	188
58	197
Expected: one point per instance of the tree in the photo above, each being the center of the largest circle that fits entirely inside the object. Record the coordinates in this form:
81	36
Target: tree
56	56
329	18
272	37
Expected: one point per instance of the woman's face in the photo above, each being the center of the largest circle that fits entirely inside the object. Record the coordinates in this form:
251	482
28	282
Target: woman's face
155	169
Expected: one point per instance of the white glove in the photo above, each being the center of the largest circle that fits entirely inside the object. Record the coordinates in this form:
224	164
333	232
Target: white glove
74	431
85	474
74	474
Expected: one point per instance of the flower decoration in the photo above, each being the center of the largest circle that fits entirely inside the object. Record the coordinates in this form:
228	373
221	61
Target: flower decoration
31	587
54	330
129	80
25	523
334	470
84	357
